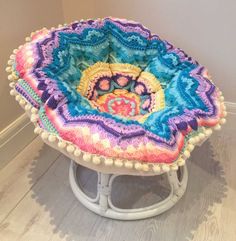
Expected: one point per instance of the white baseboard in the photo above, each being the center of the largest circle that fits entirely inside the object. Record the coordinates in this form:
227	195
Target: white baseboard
230	107
14	138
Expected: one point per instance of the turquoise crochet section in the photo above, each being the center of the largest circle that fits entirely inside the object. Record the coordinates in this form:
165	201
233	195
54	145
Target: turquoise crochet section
108	43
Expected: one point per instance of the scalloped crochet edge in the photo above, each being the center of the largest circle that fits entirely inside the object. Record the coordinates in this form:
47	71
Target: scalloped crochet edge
103	163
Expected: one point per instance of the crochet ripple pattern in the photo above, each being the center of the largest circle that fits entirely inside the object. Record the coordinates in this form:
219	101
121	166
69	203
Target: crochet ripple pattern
111	88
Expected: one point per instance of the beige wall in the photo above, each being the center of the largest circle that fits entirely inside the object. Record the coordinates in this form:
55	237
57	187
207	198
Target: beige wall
78	9
18	19
204	29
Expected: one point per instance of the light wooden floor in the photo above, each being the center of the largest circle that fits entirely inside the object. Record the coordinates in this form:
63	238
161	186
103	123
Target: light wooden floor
36	202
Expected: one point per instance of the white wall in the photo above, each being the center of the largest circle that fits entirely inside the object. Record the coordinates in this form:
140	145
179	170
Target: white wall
205	29
17	20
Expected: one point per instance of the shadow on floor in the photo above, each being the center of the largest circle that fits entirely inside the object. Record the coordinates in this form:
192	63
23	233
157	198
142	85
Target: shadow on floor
71	221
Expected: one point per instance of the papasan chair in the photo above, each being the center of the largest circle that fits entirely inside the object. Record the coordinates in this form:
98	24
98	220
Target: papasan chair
119	100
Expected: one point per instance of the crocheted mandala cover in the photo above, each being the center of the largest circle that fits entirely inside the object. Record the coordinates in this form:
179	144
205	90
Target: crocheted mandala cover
112	88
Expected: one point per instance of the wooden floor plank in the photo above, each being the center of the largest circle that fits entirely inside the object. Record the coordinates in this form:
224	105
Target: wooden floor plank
15	180
32	218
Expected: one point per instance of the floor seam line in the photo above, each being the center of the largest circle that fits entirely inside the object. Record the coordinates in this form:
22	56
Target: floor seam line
29	190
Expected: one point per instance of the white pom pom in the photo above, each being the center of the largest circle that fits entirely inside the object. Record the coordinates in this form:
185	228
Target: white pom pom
70	148
87	157
18	98
27	107
8	69
10	62
13	92
15	51
108	162
61	144
34	110
96	160
44	135
174	167
201	136
181	162
197	139
217	127
34	118
190	147
27	39
192	140
12	84
32	33
225	113
186	153
222	98
10	77
208	132
37	130
77	152
52	138
145	167
156	168
118	163
222	121
22	102
165	167
129	164
138	166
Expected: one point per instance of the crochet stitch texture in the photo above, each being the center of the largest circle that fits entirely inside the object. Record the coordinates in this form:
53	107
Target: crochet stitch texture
112	88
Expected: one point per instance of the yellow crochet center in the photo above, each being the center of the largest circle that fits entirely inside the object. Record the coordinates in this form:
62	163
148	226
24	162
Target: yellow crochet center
92	74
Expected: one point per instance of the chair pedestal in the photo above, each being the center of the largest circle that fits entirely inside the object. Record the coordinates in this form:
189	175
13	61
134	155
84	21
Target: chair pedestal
102	203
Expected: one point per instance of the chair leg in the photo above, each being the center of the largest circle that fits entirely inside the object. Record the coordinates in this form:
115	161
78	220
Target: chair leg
178	186
104	190
103	206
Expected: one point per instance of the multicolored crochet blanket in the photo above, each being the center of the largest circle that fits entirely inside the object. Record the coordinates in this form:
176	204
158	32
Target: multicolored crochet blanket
110	88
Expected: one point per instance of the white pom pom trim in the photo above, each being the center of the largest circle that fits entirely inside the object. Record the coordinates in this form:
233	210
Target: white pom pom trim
9	69
108	162
165	167
12	92
61	144
77	152
96	160
52	138
217	127
128	164
156	168
44	135
174	167
34	118
181	162
186	154
34	110
145	167
37	130
222	121
118	163
70	148
138	166
87	157
27	107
